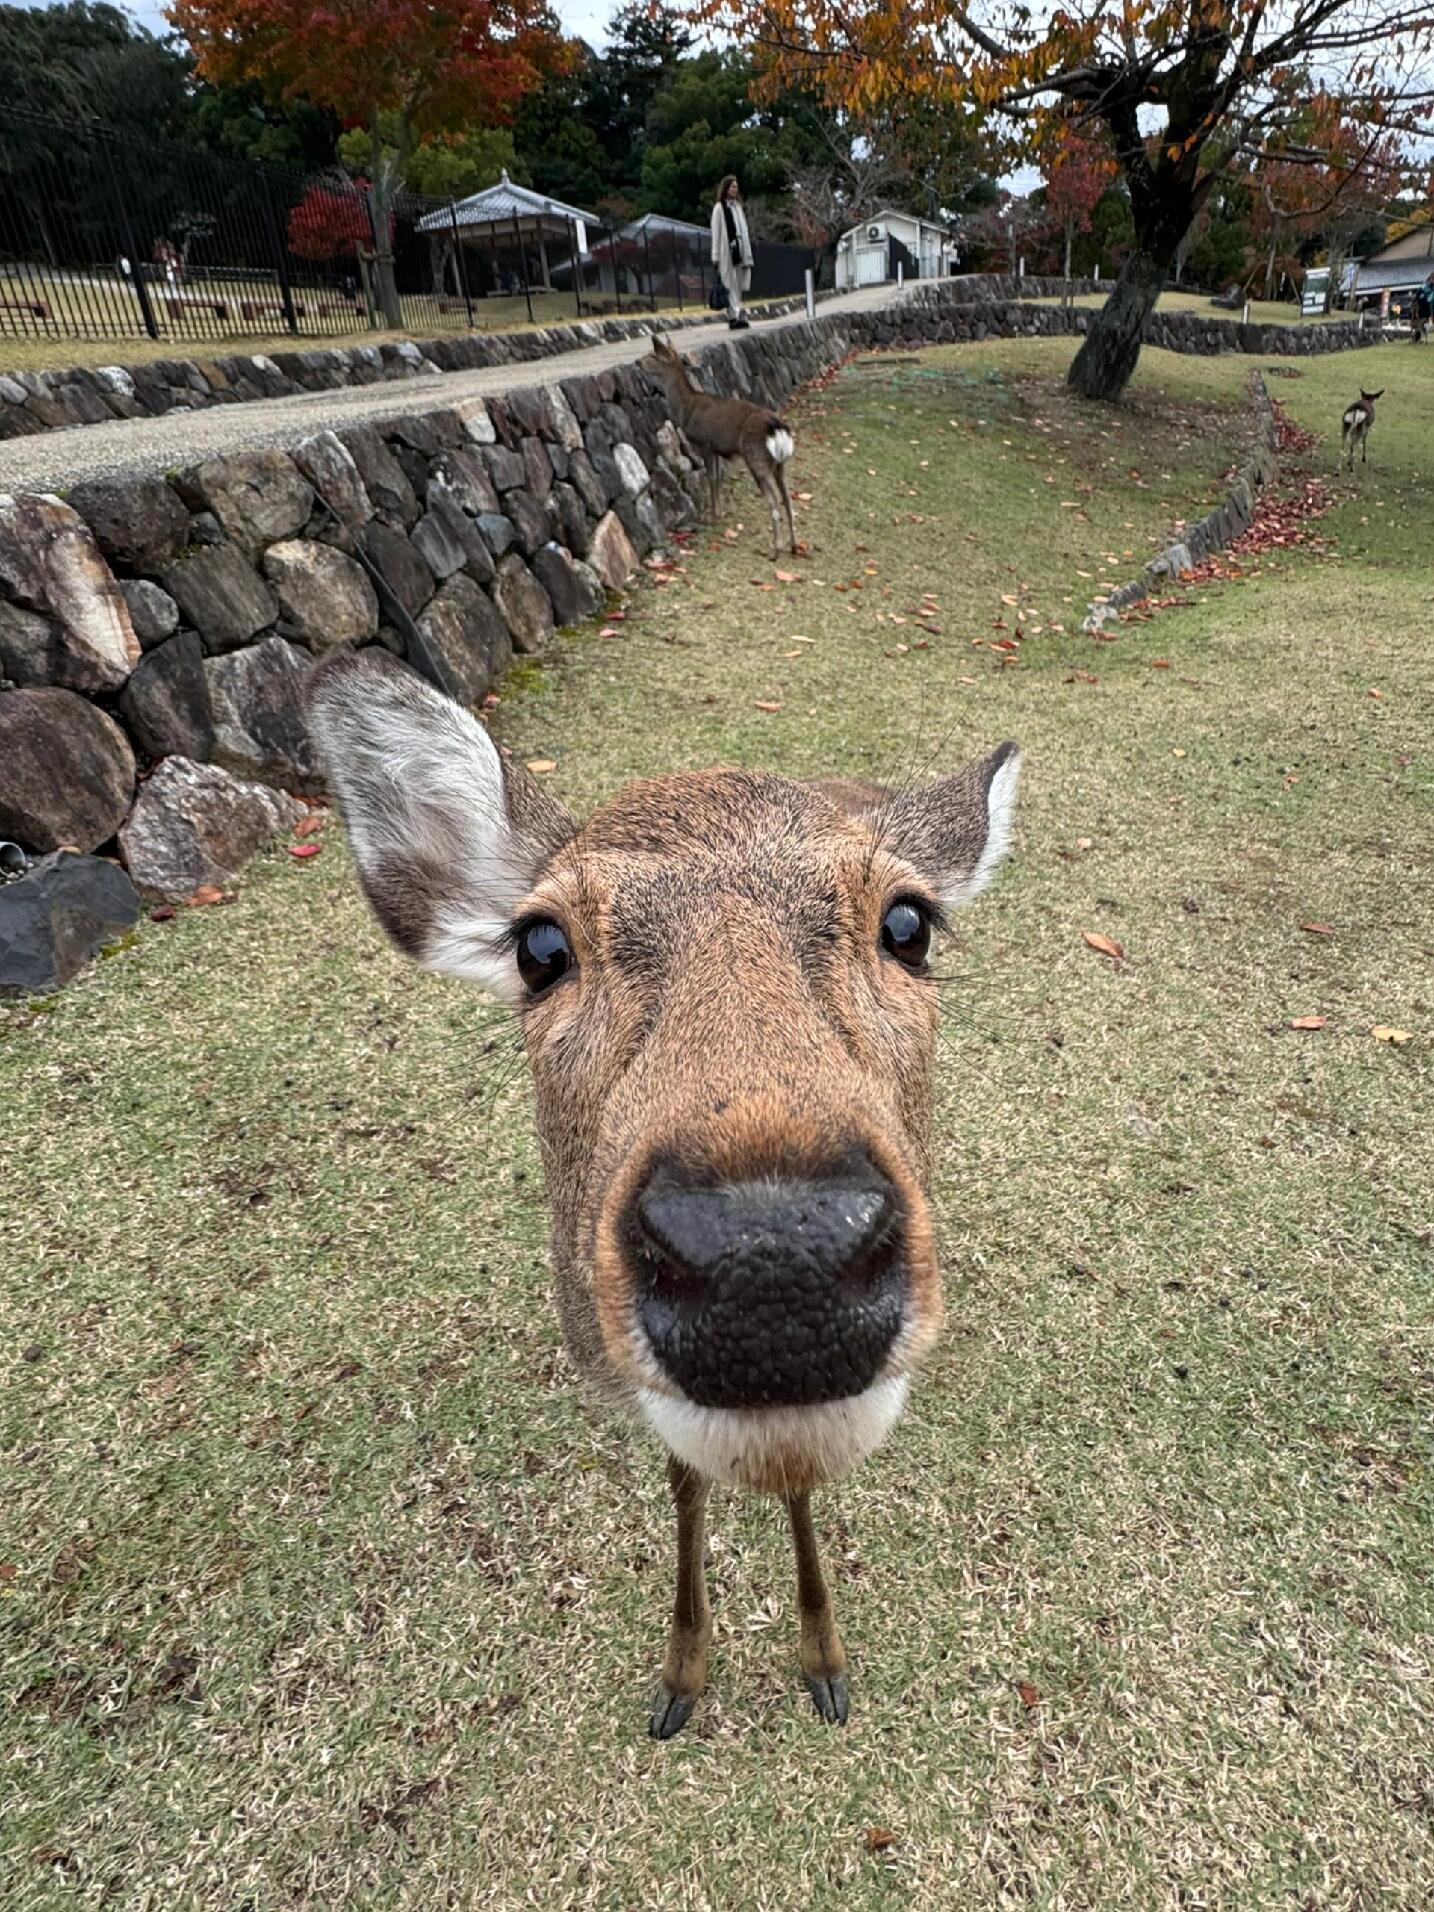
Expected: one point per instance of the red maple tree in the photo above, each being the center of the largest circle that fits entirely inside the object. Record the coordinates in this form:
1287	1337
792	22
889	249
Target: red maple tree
331	222
425	69
1078	172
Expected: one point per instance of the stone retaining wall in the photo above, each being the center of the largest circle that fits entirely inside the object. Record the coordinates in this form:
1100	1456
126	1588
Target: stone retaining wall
1218	528
50	401
961	318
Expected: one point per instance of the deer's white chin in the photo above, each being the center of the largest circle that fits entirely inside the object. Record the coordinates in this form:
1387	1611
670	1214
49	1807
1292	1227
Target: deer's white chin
776	1450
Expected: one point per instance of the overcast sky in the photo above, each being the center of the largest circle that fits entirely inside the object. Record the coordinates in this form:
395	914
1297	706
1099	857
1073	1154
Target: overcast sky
586	18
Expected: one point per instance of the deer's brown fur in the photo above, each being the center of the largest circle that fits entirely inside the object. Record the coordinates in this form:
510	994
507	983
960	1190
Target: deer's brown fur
734	1018
728	428
1358	422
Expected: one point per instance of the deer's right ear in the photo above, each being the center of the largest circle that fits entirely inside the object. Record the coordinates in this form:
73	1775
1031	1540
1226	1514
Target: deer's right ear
446	838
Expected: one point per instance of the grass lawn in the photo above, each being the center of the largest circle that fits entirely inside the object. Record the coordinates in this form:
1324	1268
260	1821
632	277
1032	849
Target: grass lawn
323	1586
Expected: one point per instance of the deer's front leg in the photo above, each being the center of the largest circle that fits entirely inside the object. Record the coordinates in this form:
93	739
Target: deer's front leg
688	1645
823	1655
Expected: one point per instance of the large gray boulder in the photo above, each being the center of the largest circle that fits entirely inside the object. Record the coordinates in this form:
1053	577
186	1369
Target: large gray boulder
51	565
505	467
384	480
165	705
575	589
137	521
407	580
610	552
460	474
153	612
258	701
466	639
324	597
195	823
526	607
257	496
568	519
222	596
56	917
329	466
528	519
66	771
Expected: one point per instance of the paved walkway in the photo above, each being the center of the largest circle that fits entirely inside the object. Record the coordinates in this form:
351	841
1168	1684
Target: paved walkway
50	461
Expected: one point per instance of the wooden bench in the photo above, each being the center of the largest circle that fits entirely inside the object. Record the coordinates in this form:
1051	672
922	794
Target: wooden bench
32	308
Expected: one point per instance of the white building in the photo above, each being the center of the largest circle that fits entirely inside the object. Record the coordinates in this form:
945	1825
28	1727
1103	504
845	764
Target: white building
870	253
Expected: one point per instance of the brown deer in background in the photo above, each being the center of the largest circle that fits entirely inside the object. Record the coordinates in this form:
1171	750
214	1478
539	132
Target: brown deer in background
1358	421
721	979
728	428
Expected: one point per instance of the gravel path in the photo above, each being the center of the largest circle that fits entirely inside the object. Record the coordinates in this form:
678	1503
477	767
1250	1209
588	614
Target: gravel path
51	461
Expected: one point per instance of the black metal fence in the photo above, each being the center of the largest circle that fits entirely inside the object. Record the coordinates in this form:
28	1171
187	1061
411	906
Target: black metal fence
103	237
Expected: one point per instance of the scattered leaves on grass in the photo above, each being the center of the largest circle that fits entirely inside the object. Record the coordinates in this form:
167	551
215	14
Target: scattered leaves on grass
305	849
878	1838
786	577
540	766
1308	1022
1030	1695
1383	1033
1106	945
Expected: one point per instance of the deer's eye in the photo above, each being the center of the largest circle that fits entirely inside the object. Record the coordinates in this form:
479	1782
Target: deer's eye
544	954
906	932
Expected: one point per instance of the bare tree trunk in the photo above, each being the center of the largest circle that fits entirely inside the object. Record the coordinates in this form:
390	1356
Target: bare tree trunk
1070	241
381	198
1164	202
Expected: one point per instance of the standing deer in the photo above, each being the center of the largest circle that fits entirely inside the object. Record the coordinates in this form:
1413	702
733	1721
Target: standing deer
728	428
1358	422
721	979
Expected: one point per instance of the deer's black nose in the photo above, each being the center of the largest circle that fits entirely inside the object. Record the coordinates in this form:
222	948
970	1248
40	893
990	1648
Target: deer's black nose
769	1293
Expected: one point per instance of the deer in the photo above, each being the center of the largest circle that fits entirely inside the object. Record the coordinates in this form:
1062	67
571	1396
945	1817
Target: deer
1358	422
722	983
728	428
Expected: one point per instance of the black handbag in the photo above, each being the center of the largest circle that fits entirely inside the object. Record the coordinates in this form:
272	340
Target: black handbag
717	298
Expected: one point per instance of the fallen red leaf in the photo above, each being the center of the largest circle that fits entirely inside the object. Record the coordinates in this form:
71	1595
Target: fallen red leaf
163	913
305	849
878	1838
308	826
1107	945
1309	1022
1318	929
1029	1694
206	893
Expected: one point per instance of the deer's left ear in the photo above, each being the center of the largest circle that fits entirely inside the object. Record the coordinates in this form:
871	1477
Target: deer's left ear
956	830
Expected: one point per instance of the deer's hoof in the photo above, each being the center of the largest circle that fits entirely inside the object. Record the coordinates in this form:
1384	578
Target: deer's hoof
670	1713
829	1696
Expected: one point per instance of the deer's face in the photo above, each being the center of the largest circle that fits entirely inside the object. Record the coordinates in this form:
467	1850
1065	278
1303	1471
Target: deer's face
724	998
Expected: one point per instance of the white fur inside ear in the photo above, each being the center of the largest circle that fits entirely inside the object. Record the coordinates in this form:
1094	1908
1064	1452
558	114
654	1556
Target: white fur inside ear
1000	821
421	788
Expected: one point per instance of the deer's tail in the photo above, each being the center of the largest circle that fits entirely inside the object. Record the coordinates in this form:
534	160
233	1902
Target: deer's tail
779	442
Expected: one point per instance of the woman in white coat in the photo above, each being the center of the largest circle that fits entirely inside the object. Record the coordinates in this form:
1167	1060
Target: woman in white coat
732	249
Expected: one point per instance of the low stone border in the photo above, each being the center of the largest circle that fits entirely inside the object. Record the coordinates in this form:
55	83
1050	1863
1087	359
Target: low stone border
53	401
1191	332
1218	528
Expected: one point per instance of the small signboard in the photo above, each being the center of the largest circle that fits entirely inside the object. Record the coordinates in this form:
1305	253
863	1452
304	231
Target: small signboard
1314	296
